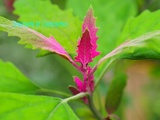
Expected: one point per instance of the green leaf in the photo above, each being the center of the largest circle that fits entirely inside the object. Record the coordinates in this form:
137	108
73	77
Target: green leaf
17	106
12	80
115	93
144	25
49	19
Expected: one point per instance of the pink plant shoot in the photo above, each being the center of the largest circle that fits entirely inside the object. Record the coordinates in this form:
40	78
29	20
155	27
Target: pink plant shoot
86	50
85	53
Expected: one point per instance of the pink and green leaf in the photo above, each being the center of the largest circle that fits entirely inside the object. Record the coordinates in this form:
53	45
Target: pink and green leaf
32	38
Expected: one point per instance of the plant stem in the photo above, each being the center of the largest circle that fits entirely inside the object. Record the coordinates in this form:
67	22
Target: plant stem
54	92
99	100
76	66
93	109
78	96
113	116
103	72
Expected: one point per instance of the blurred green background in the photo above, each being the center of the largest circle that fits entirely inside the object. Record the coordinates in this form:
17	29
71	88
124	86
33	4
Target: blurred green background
141	100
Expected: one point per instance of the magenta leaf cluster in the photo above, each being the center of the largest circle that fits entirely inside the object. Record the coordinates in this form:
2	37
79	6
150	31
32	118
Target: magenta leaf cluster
86	51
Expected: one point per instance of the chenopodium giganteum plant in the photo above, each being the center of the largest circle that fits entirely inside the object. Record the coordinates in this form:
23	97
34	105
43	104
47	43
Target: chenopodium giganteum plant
86	51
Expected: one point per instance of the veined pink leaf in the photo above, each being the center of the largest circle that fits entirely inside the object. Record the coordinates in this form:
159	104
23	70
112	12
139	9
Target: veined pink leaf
89	23
31	37
52	45
84	50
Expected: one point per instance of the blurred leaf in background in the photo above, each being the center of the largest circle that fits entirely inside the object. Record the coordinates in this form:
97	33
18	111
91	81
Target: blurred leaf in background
151	5
115	93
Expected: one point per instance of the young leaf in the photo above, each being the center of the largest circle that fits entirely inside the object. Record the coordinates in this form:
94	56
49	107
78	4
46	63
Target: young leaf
144	47
84	50
89	23
49	19
17	106
12	80
110	23
73	89
142	25
31	37
115	93
79	84
87	45
127	49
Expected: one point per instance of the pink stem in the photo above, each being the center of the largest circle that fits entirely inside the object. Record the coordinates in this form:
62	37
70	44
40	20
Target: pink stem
76	66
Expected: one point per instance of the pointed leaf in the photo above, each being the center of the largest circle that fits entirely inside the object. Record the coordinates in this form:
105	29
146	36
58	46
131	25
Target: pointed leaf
12	80
79	83
115	93
26	107
31	37
149	43
74	90
84	50
49	19
142	25
89	23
